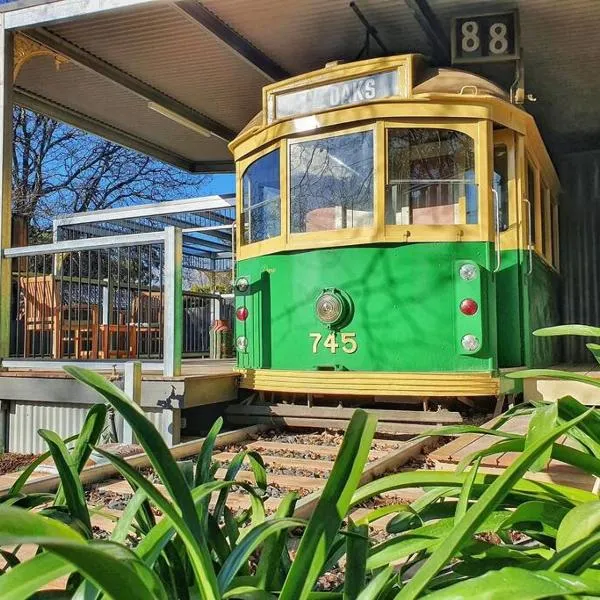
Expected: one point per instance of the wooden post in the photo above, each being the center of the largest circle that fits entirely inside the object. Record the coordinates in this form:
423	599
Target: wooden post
132	386
173	307
6	105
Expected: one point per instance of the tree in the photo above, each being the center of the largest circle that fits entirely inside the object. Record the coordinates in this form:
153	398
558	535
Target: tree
58	169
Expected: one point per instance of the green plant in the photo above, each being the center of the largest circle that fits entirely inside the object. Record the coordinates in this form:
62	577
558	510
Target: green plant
191	552
470	534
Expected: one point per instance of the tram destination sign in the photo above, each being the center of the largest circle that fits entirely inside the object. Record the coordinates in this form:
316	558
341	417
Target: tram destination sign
335	95
485	38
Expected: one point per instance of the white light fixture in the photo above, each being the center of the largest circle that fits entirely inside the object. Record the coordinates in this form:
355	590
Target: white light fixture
165	112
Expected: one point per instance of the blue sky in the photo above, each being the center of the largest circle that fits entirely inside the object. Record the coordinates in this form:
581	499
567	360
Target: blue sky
220	184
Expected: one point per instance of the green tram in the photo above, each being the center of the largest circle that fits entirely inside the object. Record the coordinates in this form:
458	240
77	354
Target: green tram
397	235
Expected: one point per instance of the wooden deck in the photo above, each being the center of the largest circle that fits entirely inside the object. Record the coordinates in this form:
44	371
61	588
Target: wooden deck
447	457
31	391
551	390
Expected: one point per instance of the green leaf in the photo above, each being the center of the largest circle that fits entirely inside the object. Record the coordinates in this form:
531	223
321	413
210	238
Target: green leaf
542	422
376	585
579	523
465	493
255	537
584	330
258	468
423	538
357	549
586	462
197	552
268	569
568	409
96	561
33	574
153	543
123	527
524	489
462	429
576	557
405	520
70	482
332	507
167	469
546	515
17	486
553	374
478	512
513	582
89	435
595	350
204	459
248	592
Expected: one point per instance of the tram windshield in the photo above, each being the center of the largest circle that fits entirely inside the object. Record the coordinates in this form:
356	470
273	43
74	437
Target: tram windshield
261	199
431	177
331	182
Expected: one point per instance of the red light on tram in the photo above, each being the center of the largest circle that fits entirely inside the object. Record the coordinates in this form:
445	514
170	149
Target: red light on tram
241	313
468	307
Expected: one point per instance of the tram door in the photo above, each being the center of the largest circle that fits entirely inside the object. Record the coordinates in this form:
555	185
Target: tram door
508	260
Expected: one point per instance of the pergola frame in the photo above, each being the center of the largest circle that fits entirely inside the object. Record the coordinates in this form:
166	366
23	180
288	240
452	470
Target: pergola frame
30	18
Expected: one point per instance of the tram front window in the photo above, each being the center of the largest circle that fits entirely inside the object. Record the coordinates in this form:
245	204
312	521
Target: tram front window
331	183
261	199
431	178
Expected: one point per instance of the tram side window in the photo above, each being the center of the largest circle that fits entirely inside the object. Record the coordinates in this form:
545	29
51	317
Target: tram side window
500	184
261	199
544	211
555	234
331	183
431	178
532	202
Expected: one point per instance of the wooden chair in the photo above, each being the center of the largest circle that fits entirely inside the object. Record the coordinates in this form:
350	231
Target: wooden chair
39	312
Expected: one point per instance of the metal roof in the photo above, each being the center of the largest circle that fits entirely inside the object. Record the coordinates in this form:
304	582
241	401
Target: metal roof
207	62
207	225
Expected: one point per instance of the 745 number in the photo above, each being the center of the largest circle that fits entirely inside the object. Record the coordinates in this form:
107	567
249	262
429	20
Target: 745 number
348	342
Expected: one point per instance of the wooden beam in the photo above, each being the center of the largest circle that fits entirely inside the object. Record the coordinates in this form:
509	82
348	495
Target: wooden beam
323	412
139	461
340	424
396	459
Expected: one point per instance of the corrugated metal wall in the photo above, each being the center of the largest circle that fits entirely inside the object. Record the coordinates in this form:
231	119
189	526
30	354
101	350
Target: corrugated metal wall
26	418
579	246
66	419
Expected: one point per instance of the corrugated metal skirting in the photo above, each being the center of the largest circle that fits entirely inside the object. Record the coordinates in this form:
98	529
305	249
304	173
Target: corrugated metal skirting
66	419
579	247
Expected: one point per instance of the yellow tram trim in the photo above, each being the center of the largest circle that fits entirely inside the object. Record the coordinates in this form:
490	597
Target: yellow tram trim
370	383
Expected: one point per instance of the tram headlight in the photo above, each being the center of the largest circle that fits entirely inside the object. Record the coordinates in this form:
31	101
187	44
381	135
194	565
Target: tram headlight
468	271
333	308
241	343
242	284
470	343
329	308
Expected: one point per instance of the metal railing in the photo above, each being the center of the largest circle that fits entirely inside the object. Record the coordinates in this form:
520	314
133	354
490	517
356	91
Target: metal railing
108	298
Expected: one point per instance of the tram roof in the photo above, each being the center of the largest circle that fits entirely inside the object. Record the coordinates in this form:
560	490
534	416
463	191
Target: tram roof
178	80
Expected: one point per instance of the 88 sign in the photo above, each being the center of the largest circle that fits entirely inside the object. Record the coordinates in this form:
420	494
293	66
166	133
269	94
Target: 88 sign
485	38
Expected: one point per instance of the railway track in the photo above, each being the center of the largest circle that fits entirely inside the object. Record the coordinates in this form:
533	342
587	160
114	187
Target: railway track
298	459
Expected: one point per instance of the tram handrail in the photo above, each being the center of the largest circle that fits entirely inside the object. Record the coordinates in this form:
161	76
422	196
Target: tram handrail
498	253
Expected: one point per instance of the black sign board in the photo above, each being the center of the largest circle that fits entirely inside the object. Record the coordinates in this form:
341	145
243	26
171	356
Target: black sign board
485	38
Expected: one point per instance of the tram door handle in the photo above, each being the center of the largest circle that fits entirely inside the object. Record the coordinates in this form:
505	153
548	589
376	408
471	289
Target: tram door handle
529	237
498	254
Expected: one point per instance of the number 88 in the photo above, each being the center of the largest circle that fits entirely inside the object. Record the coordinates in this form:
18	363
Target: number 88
470	37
